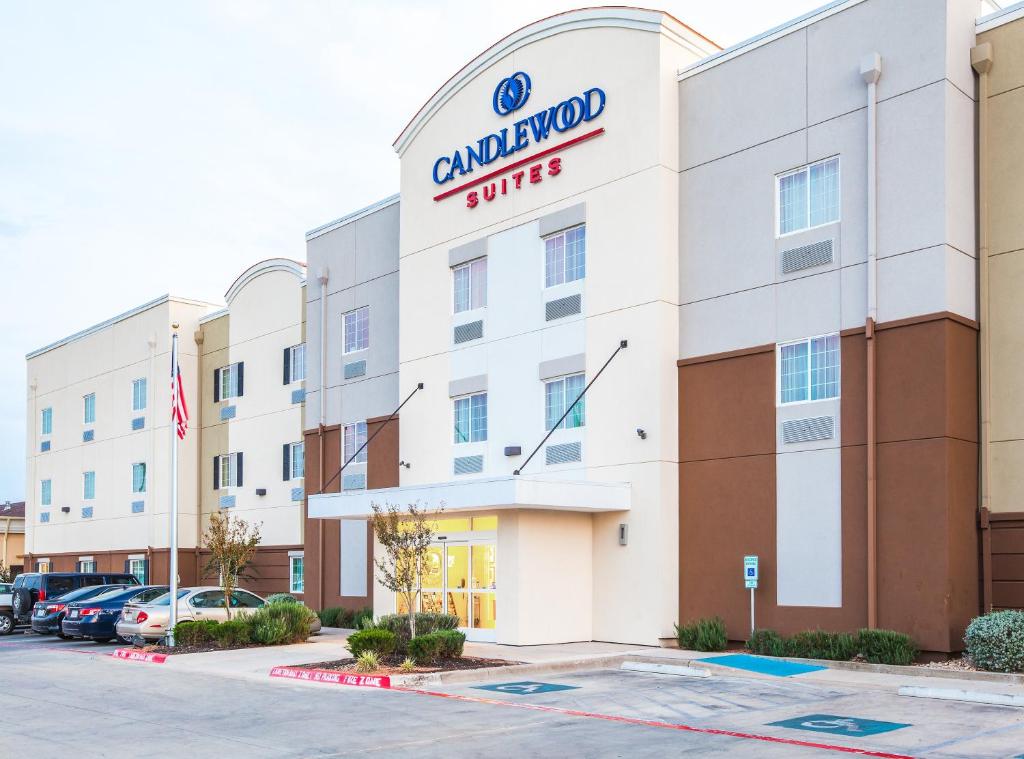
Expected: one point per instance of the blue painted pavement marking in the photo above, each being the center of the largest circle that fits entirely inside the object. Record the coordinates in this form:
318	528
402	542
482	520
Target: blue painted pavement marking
836	725
525	688
763	665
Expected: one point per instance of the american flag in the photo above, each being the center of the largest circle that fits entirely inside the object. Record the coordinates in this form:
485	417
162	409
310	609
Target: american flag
179	411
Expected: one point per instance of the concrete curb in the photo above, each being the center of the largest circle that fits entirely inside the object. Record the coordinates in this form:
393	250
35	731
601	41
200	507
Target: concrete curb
957	694
489	674
679	670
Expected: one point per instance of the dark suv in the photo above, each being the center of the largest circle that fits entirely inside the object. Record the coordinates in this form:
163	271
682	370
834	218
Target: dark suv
31	587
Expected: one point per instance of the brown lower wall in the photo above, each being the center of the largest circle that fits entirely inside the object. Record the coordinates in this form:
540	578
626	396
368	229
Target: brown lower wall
1007	560
115	561
927	485
267	573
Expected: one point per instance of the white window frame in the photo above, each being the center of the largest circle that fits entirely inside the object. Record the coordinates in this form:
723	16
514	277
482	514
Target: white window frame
46	499
565	401
469	266
140	569
44	566
229	380
300	351
85	479
46	415
779	234
291	461
301	588
86	560
229	462
86	421
778	370
144	398
144	477
356	441
544	257
487	414
345	329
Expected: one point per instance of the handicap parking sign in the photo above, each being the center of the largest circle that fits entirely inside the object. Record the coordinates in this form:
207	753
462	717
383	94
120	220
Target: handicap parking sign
837	725
525	688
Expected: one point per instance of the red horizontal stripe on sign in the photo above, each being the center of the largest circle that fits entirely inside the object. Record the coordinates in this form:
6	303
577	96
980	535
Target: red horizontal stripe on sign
517	164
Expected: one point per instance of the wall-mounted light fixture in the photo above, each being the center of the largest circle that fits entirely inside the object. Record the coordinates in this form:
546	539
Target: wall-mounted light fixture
261	491
406	464
641	433
65	509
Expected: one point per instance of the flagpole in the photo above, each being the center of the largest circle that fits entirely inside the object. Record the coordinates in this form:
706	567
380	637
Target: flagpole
173	570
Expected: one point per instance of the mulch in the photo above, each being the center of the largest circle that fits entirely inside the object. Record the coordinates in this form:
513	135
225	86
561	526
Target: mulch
391	665
192	649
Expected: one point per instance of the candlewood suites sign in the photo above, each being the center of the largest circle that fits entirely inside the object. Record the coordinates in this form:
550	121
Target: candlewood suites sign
510	96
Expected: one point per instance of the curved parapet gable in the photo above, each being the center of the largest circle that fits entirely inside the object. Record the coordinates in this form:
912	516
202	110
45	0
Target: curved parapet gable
298	268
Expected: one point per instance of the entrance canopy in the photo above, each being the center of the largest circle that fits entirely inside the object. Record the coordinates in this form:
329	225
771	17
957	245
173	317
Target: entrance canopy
489	494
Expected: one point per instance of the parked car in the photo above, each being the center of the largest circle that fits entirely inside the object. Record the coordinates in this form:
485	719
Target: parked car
96	617
145	623
6	612
30	587
48	615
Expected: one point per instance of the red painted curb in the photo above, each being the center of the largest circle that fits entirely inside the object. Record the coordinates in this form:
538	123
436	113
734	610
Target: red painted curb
328	676
130	654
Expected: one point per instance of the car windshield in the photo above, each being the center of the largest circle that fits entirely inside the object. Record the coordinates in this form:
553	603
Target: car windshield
165	599
111	594
83	593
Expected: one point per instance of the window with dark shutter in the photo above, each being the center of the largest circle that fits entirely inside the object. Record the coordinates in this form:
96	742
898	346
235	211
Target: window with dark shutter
216	472
286	462
238	460
216	385
241	375
287	366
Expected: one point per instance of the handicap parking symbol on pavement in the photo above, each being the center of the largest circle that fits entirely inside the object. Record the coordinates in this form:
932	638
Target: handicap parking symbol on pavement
525	688
836	725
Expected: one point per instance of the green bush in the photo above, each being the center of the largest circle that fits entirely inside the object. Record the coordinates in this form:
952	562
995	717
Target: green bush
276	598
336	616
767	643
194	633
886	647
329	616
363	619
450	643
269	631
703	635
235	632
996	641
818	644
368	661
426	623
290	622
425	649
381	642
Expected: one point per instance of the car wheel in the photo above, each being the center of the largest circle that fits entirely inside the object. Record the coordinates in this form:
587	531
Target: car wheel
21	602
62	636
126	639
6	623
102	640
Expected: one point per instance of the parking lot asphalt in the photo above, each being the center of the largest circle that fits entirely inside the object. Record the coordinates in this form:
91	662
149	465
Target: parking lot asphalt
60	696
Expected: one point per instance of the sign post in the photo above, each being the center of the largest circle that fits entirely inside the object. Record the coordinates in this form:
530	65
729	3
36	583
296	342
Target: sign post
750	580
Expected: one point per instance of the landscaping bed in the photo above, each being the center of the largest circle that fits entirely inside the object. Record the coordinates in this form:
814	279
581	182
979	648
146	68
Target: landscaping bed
193	649
392	665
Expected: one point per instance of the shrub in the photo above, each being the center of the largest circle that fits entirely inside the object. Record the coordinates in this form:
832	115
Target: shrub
276	598
996	641
767	643
426	623
408	664
425	648
269	631
381	642
194	633
703	635
329	616
818	644
450	643
290	620
367	661
886	647
363	619
336	616
235	632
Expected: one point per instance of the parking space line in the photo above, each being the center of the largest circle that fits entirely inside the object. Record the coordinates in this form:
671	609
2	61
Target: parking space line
658	724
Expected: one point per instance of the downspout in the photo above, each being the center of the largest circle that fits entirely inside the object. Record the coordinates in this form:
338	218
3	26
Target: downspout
199	338
322	277
981	61
871	70
151	412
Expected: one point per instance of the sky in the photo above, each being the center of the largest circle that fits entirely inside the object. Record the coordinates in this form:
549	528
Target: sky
164	147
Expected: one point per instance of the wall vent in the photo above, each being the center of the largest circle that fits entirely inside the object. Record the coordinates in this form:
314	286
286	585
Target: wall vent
299	395
806	256
563	453
353	482
227	501
471	331
468	464
808	430
355	369
139	423
138	507
88	436
87	512
227	412
562	307
298	494
44	446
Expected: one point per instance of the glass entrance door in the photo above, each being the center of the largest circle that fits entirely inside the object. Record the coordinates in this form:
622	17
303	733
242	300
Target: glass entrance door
460	577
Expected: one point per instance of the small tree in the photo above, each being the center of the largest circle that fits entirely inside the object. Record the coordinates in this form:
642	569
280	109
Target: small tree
405	536
232	543
5	572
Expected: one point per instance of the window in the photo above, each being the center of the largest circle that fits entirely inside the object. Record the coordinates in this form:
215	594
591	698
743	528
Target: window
88	485
139	394
295	363
137	567
357	330
471	418
45	492
558	394
296	581
43	565
294	465
355	437
89	408
227	471
565	256
87	565
138	478
469	282
809	369
809	196
47	421
228	381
